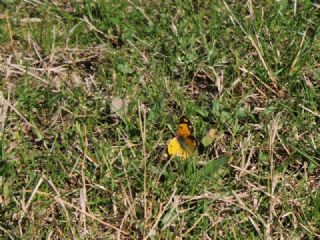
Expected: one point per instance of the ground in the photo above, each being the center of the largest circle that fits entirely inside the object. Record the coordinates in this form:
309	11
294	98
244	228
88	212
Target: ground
92	92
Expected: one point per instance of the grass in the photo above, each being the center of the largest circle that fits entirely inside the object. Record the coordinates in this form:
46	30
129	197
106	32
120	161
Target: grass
74	167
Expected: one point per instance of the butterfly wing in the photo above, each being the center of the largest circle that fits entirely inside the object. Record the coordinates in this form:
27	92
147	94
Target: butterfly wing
184	144
175	148
191	143
185	127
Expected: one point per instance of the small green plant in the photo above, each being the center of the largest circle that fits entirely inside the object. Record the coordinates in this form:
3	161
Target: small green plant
90	96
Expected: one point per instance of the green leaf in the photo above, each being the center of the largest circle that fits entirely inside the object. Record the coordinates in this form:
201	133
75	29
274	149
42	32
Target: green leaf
202	112
216	108
206	141
213	166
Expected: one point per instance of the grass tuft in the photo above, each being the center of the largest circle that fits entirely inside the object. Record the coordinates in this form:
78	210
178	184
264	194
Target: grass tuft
92	91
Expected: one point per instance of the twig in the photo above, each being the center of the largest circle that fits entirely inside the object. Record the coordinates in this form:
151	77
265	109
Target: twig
25	209
6	232
92	27
32	125
70	205
144	154
142	11
256	77
3	109
83	199
23	70
10	33
310	111
161	213
299	51
59	200
273	178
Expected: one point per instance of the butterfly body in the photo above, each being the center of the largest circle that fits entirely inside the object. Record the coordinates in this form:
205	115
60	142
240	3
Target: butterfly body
184	143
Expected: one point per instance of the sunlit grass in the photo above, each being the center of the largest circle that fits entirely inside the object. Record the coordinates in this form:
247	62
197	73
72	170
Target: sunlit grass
72	166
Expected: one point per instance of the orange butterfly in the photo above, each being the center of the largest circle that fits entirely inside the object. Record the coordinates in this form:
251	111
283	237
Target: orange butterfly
184	144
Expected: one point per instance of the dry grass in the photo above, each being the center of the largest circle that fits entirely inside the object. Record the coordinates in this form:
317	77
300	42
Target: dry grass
74	166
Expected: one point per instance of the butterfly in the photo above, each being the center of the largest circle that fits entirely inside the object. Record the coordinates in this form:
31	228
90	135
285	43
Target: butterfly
184	143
